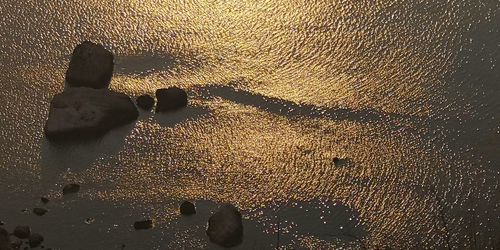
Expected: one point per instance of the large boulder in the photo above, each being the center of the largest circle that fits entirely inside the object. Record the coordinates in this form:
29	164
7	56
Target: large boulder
91	66
170	99
83	112
225	227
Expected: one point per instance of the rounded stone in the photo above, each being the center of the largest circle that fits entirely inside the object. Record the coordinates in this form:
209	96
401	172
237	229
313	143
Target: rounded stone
187	208
170	99
225	227
22	232
35	240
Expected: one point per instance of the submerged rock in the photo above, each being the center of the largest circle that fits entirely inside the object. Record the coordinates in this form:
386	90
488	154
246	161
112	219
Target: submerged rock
71	189
40	211
143	225
145	102
44	200
91	66
35	240
336	160
187	208
4	239
22	232
170	99
83	112
225	227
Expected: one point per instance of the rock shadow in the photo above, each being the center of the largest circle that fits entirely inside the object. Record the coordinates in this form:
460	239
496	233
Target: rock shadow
292	109
172	118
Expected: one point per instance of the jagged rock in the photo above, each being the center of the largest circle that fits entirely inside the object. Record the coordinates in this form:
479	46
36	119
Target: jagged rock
83	112
71	189
142	225
170	99
225	227
35	240
145	102
187	208
91	66
22	232
40	211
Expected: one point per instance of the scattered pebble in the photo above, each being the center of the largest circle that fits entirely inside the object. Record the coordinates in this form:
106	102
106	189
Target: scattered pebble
142	225
22	232
35	240
40	211
89	221
25	211
44	200
71	189
187	208
2	223
145	102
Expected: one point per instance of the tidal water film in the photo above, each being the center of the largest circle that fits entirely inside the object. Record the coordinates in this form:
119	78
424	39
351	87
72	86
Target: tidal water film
249	124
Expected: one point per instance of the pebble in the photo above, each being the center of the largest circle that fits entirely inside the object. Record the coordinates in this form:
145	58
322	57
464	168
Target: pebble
142	225
71	189
40	211
44	200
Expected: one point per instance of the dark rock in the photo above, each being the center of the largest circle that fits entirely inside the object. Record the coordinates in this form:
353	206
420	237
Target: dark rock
336	160
145	102
4	239
225	227
22	232
35	240
170	99
91	66
187	208
83	112
44	200
142	225
71	189
15	243
40	211
2	223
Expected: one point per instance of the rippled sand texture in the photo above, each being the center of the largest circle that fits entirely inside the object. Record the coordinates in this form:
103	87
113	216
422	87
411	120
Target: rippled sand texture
406	92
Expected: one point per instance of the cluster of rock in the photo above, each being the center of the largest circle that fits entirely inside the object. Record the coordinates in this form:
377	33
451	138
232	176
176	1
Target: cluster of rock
88	108
225	226
15	240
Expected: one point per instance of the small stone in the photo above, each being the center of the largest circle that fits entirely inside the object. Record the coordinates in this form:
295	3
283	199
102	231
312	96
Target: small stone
170	99
44	200
22	232
40	211
2	223
187	208
71	189
143	225
35	240
145	102
336	160
89	221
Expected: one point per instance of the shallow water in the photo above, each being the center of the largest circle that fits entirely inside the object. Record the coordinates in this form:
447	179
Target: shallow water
406	92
